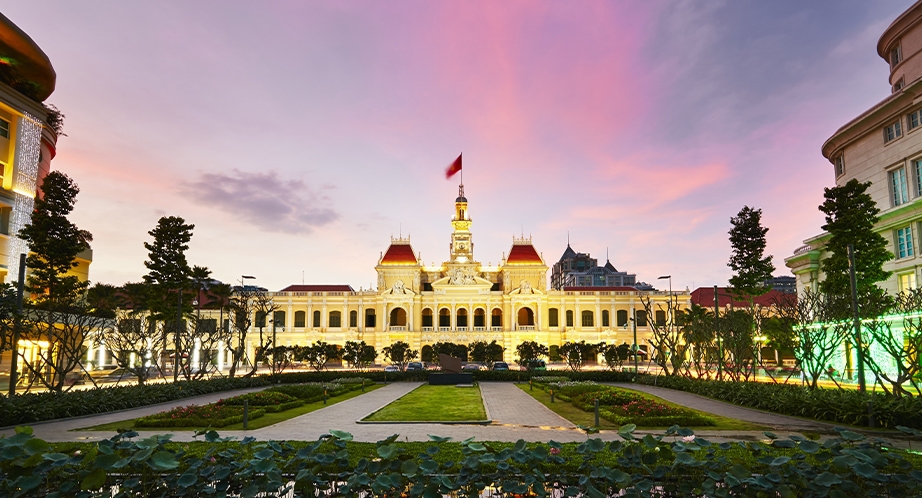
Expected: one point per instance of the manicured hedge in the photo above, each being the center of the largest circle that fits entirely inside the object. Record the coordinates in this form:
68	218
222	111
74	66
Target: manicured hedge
36	407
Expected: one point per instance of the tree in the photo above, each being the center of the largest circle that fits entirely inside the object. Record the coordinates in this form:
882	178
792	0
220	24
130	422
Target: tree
851	215
528	353
317	354
819	336
616	355
666	336
577	354
748	261
699	335
901	339
488	354
359	355
133	334
54	244
458	351
264	306
168	274
400	354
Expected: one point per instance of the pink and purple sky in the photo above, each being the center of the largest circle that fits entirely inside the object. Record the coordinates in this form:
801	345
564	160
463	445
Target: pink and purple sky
299	137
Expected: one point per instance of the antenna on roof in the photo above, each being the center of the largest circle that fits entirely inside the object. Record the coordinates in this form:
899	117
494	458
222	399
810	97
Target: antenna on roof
401	230
568	238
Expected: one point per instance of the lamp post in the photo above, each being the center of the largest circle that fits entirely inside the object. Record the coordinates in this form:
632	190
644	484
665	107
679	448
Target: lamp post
671	307
634	347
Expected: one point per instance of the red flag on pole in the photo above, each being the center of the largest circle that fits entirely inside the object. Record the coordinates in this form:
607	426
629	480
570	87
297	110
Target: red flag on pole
454	168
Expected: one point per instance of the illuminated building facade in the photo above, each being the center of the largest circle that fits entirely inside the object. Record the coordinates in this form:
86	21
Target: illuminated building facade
28	143
461	301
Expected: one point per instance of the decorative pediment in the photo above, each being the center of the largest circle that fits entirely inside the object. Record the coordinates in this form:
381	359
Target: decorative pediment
398	289
525	288
461	283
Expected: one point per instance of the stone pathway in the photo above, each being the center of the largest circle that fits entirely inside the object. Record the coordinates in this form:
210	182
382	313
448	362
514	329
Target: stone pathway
696	402
515	414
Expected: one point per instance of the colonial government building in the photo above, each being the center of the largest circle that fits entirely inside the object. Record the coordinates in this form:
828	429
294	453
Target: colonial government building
463	301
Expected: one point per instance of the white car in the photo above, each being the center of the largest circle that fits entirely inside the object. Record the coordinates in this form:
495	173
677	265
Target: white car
391	368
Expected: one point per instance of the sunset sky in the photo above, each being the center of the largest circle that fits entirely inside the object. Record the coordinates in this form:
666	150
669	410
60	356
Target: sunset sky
300	136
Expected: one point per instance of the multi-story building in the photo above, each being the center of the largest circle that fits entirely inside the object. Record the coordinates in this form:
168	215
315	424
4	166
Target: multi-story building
577	269
459	301
883	146
28	143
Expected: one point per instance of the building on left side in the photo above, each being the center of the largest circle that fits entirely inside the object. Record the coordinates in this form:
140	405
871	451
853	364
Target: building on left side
28	143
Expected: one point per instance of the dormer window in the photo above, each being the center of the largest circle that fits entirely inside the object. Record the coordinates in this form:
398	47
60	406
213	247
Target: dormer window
896	56
840	165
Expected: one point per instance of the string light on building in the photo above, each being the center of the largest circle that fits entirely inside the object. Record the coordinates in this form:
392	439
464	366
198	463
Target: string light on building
28	151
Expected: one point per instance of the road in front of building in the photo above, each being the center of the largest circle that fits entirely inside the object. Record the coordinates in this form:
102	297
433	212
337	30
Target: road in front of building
515	415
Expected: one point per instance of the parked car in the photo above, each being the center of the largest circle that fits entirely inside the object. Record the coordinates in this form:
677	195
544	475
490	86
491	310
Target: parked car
391	368
537	365
500	366
470	367
414	366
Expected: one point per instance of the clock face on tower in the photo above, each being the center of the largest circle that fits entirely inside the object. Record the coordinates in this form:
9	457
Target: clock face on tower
462	246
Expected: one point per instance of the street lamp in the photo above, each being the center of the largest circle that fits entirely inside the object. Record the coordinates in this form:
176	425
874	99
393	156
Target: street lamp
671	307
634	348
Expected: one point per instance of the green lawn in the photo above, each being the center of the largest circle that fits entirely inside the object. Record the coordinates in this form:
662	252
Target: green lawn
587	419
436	404
264	421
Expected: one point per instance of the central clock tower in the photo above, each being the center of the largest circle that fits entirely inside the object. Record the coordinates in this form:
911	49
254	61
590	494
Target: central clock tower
462	249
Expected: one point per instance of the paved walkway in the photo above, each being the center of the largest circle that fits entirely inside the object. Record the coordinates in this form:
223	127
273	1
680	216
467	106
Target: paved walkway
696	402
515	415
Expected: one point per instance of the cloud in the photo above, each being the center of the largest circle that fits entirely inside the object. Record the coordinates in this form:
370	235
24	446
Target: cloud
265	200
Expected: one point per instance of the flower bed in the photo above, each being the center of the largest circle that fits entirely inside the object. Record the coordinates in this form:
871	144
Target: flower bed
270	401
621	406
212	415
313	391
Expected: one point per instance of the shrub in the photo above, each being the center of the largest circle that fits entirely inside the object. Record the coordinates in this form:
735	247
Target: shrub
212	415
270	401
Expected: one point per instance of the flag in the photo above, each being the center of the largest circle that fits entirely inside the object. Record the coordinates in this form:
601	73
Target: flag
454	168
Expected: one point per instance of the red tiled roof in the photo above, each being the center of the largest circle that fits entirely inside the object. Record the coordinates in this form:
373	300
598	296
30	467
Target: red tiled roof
704	296
318	288
399	254
587	288
523	254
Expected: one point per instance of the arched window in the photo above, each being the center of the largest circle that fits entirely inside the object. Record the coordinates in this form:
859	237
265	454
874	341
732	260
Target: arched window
569	318
369	317
278	319
300	318
336	319
586	319
641	318
660	318
553	320
353	319
526	317
622	318
444	317
605	320
398	317
496	317
316	321
461	318
480	318
427	317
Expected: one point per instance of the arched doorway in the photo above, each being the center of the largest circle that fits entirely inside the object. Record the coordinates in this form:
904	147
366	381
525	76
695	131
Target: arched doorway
461	318
480	319
398	317
526	316
496	318
444	317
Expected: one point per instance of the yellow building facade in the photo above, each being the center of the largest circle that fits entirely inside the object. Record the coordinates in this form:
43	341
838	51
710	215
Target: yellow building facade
461	301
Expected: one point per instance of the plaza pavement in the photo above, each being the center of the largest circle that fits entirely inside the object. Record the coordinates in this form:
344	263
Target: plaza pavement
515	415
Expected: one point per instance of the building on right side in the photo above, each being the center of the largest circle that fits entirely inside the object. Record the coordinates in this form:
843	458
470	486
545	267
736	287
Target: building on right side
883	146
